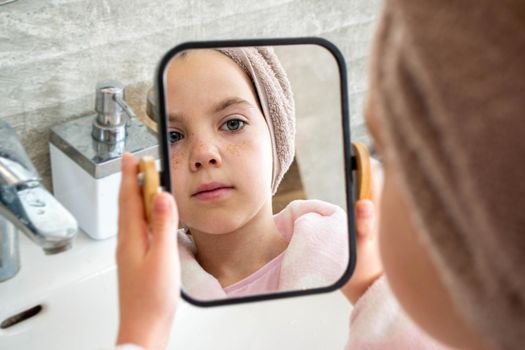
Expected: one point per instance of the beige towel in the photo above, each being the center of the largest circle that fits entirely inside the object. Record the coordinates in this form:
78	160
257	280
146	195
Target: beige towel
449	78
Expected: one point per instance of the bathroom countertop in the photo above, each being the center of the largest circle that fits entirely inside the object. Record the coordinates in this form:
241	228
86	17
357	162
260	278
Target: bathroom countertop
78	286
42	274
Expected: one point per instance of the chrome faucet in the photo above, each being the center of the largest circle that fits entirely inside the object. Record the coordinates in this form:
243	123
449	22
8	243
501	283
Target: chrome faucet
26	206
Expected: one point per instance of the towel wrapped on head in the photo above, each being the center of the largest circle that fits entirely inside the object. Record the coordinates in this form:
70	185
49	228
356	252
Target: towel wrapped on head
449	94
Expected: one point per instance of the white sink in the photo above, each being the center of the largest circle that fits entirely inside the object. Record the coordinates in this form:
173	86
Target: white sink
76	290
78	294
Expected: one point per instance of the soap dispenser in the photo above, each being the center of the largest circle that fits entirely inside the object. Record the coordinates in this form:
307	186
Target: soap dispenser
86	156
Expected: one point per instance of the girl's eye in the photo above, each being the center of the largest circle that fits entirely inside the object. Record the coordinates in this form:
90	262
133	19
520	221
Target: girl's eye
233	125
175	136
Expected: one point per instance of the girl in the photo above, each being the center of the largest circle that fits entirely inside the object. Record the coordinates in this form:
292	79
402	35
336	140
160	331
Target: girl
446	112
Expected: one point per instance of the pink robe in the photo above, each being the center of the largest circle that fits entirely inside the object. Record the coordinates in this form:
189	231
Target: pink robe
377	322
316	256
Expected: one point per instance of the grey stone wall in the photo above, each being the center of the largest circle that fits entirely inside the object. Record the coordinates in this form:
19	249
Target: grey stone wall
53	52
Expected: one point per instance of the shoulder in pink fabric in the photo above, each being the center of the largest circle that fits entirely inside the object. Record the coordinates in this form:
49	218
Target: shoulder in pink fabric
379	323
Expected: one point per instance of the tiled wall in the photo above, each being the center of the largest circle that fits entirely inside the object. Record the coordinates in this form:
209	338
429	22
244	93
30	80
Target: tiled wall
53	52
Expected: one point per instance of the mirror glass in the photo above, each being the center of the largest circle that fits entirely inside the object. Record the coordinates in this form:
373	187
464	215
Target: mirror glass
257	167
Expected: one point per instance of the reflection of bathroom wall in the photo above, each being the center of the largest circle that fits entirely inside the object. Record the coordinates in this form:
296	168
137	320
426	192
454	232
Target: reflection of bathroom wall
53	52
314	76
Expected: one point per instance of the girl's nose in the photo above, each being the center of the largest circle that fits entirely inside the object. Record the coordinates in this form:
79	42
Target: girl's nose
205	156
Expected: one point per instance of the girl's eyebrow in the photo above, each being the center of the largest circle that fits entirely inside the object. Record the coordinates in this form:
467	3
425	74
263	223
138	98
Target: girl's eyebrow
175	117
231	101
179	117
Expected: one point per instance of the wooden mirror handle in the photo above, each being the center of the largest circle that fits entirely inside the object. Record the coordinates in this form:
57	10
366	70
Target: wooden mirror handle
363	171
150	183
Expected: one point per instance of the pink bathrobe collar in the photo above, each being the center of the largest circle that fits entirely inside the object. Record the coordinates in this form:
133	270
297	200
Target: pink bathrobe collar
317	253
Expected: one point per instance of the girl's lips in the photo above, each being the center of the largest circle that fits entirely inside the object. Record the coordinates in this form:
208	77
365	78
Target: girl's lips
217	193
212	190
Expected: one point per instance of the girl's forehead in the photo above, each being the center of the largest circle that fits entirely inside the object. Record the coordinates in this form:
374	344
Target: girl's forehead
197	64
207	81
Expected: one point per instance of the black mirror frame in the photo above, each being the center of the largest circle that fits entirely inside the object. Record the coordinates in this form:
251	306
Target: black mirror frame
165	175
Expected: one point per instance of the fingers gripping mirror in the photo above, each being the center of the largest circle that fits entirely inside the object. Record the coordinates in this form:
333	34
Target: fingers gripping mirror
255	147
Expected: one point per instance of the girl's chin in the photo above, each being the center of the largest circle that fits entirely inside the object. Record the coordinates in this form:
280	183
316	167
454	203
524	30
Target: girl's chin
217	221
216	228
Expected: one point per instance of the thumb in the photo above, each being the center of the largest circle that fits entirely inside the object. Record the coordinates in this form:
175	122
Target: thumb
164	222
365	213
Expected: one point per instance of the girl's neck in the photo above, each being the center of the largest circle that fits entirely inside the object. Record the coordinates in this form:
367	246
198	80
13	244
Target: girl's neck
231	257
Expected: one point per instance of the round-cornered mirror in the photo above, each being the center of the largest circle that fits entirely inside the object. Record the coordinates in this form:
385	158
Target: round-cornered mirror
255	146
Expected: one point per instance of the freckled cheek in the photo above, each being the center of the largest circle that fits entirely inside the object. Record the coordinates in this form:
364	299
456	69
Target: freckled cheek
237	149
177	165
250	154
255	147
177	160
252	158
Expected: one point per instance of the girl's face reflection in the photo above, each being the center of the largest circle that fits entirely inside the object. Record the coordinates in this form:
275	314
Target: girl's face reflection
221	152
